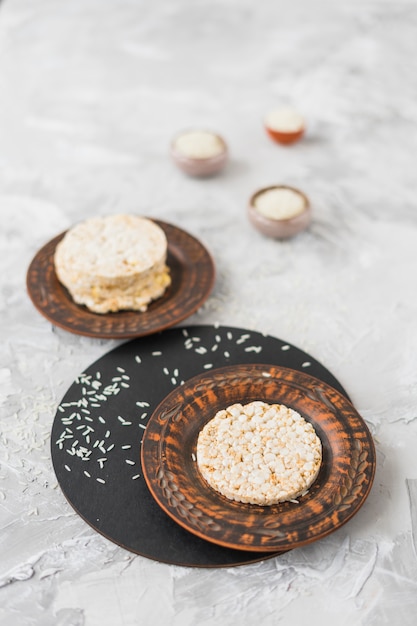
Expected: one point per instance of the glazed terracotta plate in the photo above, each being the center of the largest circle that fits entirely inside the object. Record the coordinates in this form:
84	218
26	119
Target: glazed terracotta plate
171	472
192	273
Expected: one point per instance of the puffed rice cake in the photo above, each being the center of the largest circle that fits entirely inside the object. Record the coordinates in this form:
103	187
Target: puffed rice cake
259	453
114	263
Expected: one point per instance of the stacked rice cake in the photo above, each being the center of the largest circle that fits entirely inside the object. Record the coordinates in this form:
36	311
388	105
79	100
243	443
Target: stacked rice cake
114	263
259	453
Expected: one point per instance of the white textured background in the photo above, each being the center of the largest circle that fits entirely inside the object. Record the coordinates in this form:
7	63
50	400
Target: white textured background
91	92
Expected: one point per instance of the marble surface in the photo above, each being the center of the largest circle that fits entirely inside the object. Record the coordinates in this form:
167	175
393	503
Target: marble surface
91	92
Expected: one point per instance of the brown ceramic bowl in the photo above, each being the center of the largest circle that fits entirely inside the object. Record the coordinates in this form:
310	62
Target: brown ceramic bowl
196	165
279	228
285	137
278	128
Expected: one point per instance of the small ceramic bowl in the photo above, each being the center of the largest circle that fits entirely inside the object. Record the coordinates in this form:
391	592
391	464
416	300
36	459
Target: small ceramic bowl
199	152
279	211
285	125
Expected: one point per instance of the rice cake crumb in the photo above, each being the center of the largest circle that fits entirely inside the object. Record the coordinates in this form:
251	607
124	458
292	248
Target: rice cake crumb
259	453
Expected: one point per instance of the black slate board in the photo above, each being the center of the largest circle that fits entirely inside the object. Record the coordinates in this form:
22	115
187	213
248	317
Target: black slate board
99	424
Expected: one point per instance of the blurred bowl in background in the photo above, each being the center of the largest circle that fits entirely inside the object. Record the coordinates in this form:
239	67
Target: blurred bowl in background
199	152
279	211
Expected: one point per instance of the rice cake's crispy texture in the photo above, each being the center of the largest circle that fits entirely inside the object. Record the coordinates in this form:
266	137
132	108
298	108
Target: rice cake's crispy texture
259	453
114	263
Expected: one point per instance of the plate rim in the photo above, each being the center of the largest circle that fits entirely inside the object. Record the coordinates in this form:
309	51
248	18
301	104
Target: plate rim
273	547
42	262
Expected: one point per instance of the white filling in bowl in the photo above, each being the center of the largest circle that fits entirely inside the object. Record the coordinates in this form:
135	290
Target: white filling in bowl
285	120
199	145
280	203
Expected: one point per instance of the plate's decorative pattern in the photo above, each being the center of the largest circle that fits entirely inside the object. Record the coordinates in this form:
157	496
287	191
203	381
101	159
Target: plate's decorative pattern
170	468
192	275
351	485
98	427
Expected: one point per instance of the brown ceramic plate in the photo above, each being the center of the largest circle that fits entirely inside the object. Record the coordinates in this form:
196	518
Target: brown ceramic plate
171	473
192	274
